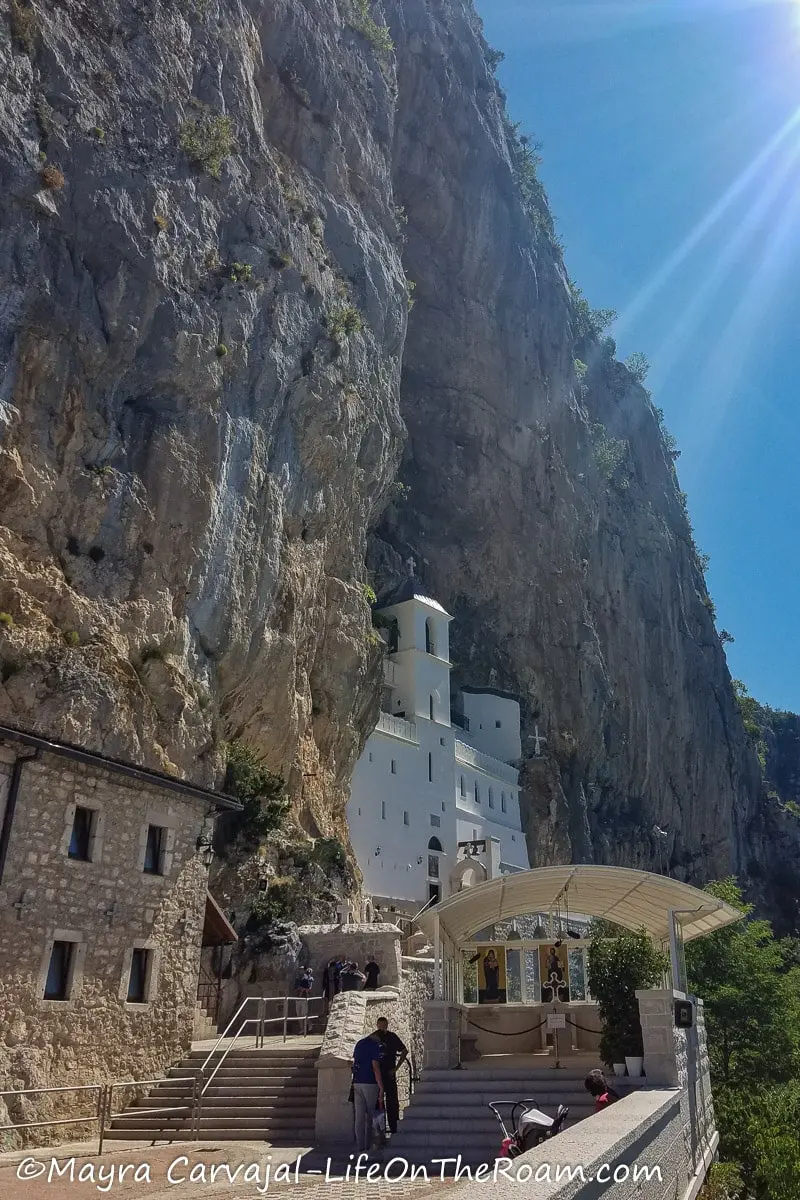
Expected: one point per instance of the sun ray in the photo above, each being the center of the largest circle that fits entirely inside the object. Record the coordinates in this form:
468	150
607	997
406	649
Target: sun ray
679	334
668	268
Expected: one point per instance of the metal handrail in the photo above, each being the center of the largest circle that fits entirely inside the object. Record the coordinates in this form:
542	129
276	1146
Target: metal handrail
83	1087
260	1020
107	1115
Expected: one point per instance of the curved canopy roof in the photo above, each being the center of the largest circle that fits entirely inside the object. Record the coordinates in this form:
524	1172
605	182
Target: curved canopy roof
634	899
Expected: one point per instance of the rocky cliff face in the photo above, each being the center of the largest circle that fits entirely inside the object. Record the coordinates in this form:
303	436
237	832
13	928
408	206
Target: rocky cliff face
208	384
199	399
543	503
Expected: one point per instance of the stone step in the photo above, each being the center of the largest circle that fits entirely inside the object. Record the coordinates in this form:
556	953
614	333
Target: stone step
167	1091
253	1054
300	1074
511	1075
298	1136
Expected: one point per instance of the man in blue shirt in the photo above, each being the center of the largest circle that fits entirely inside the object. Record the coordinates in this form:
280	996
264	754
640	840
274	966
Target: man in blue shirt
367	1087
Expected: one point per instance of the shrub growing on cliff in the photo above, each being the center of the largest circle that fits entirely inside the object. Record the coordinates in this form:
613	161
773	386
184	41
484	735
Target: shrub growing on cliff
24	26
261	792
610	453
52	177
330	854
6	620
207	139
591	322
344	321
362	21
638	366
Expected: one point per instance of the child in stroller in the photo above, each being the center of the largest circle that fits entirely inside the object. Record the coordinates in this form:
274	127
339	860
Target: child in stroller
529	1125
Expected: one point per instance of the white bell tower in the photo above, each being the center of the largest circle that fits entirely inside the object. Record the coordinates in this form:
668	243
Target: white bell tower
421	675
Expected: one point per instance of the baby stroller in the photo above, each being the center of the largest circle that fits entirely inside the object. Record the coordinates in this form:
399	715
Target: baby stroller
529	1125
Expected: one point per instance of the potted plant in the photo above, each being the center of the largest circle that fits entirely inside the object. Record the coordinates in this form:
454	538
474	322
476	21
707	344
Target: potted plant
620	964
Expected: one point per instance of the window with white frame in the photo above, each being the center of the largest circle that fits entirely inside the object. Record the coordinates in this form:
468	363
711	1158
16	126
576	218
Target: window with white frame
503	802
406	818
491	798
393	767
60	970
139	975
82	835
436	822
477	792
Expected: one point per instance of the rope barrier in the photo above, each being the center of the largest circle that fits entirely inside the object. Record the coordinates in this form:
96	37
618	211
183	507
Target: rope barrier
519	1032
583	1028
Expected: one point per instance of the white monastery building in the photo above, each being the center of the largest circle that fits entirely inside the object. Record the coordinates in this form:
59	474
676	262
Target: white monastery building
433	781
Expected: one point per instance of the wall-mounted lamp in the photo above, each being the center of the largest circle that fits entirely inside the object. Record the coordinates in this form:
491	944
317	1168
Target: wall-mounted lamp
205	848
420	860
377	851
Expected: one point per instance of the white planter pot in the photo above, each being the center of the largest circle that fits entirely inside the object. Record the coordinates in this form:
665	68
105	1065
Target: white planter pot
635	1066
619	1069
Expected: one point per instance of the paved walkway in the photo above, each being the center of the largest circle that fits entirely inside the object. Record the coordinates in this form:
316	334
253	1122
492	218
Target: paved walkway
186	1170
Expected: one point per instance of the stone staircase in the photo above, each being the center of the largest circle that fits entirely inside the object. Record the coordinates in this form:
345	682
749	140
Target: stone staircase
448	1113
257	1095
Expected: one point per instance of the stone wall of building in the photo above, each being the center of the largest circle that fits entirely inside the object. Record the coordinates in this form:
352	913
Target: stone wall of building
108	906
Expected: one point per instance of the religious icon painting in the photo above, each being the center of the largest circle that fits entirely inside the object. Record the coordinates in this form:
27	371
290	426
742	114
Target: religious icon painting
554	970
491	975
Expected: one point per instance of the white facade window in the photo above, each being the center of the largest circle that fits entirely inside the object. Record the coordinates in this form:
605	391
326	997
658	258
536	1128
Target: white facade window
436	822
444	807
513	838
430	706
498	724
463	787
433	867
474	834
393	767
406	818
370	756
430	767
441	741
491	798
383	810
477	793
502	802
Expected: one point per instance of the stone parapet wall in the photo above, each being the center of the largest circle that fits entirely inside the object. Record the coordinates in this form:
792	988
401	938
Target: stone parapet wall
107	907
443	1023
357	943
643	1132
352	1016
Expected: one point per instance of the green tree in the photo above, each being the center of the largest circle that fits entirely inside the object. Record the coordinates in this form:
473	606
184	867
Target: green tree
263	795
750	983
620	964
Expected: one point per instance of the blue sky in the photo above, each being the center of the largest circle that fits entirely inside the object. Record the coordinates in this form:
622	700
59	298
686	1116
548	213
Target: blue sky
670	135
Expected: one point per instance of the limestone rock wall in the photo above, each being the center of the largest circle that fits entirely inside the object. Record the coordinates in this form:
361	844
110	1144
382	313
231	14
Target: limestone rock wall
190	456
576	586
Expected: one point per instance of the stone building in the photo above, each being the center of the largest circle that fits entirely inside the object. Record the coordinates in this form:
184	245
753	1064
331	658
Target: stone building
103	900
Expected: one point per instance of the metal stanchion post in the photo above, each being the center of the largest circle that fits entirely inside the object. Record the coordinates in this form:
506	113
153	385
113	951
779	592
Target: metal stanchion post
285	1015
103	1106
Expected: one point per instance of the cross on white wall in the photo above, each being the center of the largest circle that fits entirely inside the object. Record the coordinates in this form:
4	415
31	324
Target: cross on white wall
538	740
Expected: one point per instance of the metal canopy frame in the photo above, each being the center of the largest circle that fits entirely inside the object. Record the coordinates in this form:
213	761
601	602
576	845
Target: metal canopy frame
666	908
